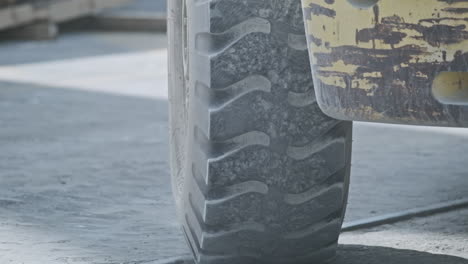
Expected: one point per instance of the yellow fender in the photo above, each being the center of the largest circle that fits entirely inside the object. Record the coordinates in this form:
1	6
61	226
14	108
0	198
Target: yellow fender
397	61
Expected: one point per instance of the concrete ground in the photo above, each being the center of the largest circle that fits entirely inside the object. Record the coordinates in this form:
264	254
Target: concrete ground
139	7
84	176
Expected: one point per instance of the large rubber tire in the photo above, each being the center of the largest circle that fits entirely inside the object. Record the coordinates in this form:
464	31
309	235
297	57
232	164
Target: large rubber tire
260	174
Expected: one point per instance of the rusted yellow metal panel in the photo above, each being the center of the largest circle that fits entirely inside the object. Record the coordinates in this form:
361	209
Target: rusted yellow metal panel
379	63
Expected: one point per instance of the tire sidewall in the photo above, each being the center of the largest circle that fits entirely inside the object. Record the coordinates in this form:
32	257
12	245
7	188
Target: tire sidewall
178	117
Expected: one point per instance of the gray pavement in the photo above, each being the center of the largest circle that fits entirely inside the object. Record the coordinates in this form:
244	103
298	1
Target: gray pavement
84	176
139	7
444	234
402	167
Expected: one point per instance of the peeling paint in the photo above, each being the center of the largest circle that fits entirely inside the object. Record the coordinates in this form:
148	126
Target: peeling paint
379	64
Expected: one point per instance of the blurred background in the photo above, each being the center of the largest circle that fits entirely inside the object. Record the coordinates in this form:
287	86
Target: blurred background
84	174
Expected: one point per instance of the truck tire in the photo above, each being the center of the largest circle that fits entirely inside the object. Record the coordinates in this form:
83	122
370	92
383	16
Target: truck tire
260	174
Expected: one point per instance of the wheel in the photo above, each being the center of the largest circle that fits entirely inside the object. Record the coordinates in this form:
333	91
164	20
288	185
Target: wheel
260	174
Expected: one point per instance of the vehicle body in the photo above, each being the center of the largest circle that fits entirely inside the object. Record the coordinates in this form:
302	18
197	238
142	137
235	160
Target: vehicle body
260	147
397	62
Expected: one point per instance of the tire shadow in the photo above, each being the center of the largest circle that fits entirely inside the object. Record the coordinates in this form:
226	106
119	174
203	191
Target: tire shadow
359	254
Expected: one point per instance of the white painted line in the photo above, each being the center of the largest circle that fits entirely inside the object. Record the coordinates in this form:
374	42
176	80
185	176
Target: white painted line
141	74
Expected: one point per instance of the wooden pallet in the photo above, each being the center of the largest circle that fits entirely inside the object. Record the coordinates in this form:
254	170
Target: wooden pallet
15	13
